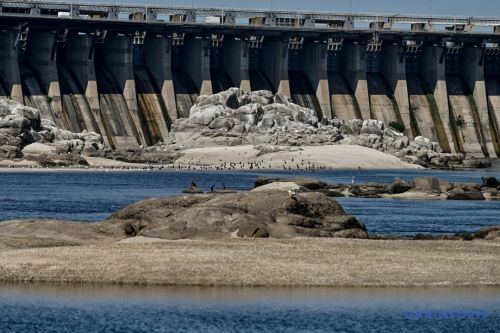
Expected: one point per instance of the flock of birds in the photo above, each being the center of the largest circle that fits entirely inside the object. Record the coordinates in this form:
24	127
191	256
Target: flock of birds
289	165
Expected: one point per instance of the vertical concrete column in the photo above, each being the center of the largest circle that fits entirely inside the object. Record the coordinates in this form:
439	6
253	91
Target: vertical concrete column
197	64
79	59
434	73
394	70
118	59
315	62
473	71
235	58
9	66
355	72
275	65
41	56
158	60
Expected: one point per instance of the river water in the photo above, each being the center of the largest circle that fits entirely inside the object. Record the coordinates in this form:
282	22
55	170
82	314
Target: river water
94	195
45	308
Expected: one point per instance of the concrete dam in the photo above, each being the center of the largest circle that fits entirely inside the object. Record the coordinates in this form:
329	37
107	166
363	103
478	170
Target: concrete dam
128	72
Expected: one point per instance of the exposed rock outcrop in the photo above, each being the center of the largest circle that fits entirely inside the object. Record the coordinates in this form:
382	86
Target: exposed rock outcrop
267	212
491	233
261	119
421	187
24	134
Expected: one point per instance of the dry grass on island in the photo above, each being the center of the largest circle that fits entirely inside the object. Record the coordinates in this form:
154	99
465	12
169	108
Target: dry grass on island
261	262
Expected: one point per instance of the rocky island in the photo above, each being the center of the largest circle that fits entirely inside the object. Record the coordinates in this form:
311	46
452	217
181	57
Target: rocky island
282	233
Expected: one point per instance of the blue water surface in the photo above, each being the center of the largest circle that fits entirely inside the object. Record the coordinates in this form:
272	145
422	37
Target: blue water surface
94	195
134	309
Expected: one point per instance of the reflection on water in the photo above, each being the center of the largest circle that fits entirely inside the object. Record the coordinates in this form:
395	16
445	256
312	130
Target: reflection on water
92	196
45	308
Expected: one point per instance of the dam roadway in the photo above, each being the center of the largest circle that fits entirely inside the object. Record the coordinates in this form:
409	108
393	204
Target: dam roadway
128	72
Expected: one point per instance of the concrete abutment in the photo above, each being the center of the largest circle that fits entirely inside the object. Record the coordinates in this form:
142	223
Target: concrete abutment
434	73
236	63
10	77
40	59
315	65
197	64
473	71
275	65
354	70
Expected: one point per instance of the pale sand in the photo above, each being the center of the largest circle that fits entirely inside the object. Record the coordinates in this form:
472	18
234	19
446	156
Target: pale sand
18	164
416	195
97	162
335	156
254	262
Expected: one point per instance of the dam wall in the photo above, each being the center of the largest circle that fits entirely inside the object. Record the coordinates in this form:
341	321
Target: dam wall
354	70
130	80
10	76
39	72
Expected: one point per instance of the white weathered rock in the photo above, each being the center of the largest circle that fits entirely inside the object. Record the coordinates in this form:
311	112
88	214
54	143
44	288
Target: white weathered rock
280	186
261	97
371	126
204	115
38	148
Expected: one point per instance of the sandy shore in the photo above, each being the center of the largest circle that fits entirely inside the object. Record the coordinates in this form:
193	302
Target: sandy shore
253	262
306	157
334	156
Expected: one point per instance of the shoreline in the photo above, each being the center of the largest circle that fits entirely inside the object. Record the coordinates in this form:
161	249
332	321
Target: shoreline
220	158
329	263
246	157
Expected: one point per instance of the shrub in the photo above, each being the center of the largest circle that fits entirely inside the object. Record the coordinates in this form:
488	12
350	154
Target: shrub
460	121
397	126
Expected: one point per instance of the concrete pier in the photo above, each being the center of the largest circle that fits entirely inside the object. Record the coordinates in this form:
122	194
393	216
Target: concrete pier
41	57
355	73
9	71
275	65
315	64
235	55
117	58
78	58
434	72
394	71
158	61
473	72
493	90
197	64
